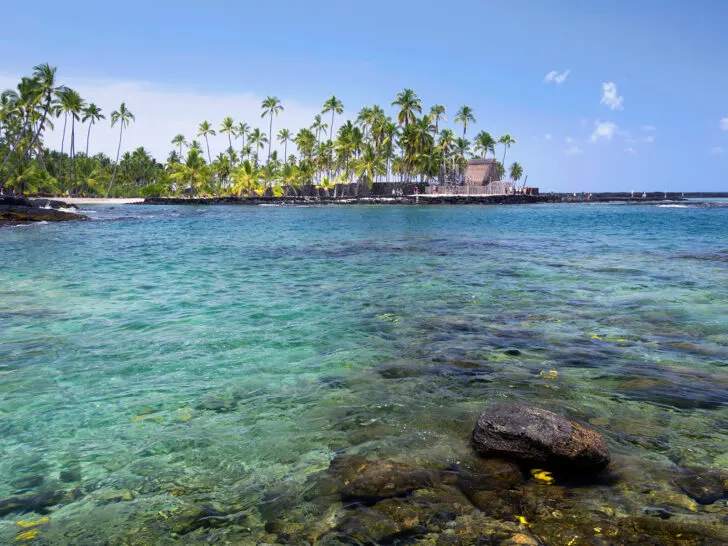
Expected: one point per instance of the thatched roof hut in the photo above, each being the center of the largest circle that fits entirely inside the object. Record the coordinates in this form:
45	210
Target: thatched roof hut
480	172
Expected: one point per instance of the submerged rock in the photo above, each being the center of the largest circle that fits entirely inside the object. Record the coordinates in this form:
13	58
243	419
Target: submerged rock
703	485
40	502
218	405
359	479
384	479
539	437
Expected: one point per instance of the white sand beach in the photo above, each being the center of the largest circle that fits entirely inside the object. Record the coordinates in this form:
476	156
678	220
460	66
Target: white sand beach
100	200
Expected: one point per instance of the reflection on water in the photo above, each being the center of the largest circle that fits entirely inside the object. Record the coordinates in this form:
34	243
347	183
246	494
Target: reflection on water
208	374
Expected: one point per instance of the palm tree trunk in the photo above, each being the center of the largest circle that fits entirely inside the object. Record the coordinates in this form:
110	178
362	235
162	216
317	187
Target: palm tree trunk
73	149
60	158
118	150
505	149
285	152
270	138
207	142
88	137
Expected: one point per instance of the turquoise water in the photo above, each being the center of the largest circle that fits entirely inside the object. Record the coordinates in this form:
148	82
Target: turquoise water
216	354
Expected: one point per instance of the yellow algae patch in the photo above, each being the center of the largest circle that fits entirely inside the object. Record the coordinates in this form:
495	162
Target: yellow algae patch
549	374
542	475
596	336
522	520
27	524
391	317
183	414
527	324
178	492
28	535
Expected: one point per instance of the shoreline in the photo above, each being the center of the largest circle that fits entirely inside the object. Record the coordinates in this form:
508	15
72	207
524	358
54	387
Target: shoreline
424	200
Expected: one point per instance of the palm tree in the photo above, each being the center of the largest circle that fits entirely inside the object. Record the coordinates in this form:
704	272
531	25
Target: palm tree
92	114
179	140
464	116
409	104
516	172
64	106
271	106
318	127
123	117
369	166
259	140
245	179
204	130
192	171
242	131
485	143
77	107
446	144
506	140
437	113
335	106
284	135
44	77
228	128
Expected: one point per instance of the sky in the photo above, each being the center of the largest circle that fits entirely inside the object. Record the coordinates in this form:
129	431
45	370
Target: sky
599	96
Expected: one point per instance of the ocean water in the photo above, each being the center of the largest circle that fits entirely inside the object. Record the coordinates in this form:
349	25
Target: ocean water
157	358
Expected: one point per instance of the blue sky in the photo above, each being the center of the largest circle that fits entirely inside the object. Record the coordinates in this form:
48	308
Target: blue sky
661	130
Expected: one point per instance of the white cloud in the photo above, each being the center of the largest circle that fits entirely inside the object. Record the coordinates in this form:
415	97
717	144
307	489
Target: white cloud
604	129
650	138
574	150
162	112
649	128
630	151
547	136
556	78
724	124
716	151
610	97
569	140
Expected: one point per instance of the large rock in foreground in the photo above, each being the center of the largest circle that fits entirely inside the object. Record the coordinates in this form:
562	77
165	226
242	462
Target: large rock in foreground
539	437
21	210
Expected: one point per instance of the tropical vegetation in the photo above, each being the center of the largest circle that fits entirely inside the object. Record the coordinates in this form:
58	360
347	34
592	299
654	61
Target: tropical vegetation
411	145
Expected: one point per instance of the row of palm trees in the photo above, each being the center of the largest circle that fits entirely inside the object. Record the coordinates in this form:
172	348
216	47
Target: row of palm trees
411	146
25	115
426	152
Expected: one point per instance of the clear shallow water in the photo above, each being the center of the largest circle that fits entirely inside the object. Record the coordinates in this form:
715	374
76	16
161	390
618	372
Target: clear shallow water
217	354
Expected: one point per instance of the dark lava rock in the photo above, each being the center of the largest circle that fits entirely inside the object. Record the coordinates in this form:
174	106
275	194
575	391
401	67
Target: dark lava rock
219	405
27	482
71	473
539	437
512	352
21	210
678	388
703	485
658	512
43	203
360	479
194	517
399	372
479	474
40	503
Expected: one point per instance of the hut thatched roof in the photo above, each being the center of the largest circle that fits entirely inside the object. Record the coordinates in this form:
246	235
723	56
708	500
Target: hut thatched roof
480	172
